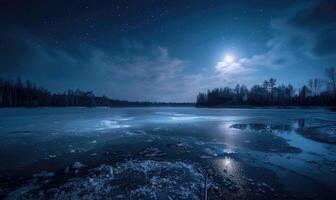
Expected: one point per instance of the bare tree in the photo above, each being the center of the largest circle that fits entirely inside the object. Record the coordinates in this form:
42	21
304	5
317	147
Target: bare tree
269	84
331	79
315	85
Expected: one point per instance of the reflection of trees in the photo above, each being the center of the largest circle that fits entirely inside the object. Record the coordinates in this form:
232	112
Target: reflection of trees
261	127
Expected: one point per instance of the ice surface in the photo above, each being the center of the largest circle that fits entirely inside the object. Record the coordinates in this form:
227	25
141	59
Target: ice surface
146	179
110	124
165	153
44	174
152	152
77	165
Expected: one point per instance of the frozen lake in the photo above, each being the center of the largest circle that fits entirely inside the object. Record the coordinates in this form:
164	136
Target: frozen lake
165	153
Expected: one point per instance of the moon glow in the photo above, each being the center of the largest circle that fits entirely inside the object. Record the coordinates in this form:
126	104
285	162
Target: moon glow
229	58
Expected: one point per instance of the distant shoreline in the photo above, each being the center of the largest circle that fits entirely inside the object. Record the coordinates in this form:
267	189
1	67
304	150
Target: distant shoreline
119	106
186	105
272	107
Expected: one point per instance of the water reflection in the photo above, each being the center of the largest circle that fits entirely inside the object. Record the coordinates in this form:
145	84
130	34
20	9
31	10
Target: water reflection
301	123
261	127
229	166
317	129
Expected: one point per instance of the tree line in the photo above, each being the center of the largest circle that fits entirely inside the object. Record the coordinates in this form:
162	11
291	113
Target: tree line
26	94
317	92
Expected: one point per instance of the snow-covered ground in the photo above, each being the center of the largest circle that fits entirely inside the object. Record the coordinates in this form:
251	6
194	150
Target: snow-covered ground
166	153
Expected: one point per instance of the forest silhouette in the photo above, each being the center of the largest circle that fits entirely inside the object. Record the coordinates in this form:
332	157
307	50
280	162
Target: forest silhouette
317	92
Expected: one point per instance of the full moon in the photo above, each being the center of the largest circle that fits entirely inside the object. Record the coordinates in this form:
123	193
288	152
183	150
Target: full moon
229	58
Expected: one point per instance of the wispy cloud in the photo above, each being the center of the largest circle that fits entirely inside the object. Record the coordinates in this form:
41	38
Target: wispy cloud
302	38
138	72
233	68
135	72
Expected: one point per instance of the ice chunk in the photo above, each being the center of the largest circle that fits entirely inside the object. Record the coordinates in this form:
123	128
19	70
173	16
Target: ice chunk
152	152
110	124
44	174
77	165
66	170
210	152
135	132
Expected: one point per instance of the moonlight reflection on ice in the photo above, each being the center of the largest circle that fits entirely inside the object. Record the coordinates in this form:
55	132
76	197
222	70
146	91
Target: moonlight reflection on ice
229	166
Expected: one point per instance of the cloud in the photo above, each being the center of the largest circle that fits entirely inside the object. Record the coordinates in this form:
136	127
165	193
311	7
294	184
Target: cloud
133	72
318	19
325	45
315	16
305	36
147	74
233	68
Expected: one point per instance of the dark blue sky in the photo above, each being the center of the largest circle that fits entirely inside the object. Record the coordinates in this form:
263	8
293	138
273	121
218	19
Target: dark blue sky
165	50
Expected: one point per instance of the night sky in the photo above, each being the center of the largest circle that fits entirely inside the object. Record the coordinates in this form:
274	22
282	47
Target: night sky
165	50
